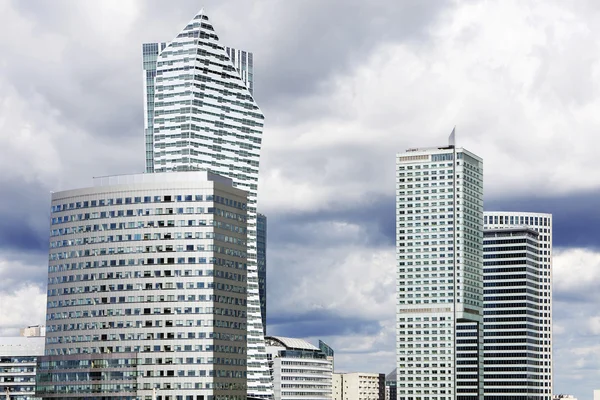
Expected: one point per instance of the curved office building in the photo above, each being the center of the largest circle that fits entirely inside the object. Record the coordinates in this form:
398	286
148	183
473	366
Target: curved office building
300	369
147	290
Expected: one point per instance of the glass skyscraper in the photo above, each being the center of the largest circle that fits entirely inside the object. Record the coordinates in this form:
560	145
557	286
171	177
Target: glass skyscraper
147	289
261	262
439	243
150	52
203	117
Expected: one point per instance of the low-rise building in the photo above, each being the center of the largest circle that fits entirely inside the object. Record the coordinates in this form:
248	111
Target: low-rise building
18	357
300	370
358	386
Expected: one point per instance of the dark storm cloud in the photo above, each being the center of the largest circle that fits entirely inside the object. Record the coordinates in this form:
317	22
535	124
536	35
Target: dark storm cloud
313	228
24	224
96	84
24	217
576	221
576	217
317	40
319	324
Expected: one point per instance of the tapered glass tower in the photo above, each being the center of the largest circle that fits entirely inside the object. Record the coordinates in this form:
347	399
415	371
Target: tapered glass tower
200	115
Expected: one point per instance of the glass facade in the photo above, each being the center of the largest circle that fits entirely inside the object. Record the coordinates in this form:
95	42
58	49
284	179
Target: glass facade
390	386
243	61
439	236
539	368
89	377
150	52
261	263
153	268
205	118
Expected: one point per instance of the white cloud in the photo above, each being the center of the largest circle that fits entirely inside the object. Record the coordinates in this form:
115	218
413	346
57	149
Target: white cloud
521	84
348	281
22	307
519	79
576	271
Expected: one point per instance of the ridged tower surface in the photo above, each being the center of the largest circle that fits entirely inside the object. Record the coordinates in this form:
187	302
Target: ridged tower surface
205	118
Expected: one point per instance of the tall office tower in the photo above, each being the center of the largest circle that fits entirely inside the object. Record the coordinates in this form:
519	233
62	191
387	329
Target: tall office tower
261	264
514	351
205	118
542	224
150	52
439	239
300	369
147	290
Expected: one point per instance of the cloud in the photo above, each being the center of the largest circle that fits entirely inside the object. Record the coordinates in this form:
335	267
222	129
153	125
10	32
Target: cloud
576	277
576	274
345	86
22	307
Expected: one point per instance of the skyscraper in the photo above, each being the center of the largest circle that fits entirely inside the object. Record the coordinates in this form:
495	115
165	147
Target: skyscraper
514	351
147	290
242	60
205	118
150	52
542	224
261	262
439	239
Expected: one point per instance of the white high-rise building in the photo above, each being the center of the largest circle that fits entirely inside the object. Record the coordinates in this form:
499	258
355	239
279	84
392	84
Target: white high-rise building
241	59
201	115
147	290
542	224
439	239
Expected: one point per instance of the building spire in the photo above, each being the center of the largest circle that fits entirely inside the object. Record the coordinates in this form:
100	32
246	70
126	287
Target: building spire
452	137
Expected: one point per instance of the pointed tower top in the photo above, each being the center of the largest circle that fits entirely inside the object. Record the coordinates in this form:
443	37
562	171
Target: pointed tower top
452	138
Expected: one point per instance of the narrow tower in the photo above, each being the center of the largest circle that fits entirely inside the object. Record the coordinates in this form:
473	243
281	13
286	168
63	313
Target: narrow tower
525	273
439	239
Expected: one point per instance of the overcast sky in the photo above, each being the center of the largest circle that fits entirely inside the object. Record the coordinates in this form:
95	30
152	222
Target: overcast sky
344	85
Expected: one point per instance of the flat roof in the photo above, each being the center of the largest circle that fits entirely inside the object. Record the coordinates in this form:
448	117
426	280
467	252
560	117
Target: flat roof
161	177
